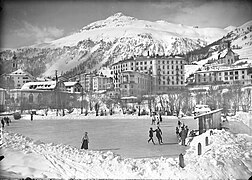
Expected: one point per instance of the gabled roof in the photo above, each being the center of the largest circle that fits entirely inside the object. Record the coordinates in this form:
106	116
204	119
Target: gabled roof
67	84
225	52
46	85
21	72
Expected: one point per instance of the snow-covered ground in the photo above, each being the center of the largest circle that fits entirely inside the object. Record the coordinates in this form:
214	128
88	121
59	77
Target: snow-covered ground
240	123
228	156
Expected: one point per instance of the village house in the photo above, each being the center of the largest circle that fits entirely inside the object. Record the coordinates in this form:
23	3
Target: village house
227	57
224	75
20	77
44	94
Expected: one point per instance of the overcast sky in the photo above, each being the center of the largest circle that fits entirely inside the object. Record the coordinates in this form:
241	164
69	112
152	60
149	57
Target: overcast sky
29	22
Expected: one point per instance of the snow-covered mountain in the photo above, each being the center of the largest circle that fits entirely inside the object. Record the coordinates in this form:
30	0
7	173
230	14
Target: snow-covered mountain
115	38
240	40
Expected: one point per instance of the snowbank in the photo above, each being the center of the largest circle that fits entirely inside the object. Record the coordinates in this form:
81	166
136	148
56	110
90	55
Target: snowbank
240	123
227	157
244	117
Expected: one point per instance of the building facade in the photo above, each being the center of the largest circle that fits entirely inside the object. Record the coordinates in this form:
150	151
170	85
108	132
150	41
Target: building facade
227	57
86	81
21	77
225	75
167	72
134	83
102	83
44	94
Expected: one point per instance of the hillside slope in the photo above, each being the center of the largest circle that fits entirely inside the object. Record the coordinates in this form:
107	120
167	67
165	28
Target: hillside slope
115	38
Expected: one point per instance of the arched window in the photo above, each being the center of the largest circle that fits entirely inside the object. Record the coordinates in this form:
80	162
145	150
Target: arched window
39	98
31	98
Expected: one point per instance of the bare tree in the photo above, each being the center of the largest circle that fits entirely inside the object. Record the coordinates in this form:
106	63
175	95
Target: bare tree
246	100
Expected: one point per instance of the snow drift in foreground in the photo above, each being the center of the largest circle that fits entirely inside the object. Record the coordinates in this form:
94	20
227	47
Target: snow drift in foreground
227	156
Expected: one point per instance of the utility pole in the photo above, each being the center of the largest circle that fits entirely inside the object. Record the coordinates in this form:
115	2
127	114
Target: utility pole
56	93
150	91
81	95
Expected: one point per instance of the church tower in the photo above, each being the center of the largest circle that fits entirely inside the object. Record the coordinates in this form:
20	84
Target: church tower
14	63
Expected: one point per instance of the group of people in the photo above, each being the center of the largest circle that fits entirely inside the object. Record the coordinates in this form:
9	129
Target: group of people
5	120
182	132
158	135
156	118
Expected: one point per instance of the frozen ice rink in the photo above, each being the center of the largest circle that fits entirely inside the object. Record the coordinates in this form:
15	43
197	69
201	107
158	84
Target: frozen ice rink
126	137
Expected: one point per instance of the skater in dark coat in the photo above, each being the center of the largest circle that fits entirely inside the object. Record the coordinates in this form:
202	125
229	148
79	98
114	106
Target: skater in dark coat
179	123
160	118
85	141
183	136
2	121
177	133
31	116
151	136
153	119
159	135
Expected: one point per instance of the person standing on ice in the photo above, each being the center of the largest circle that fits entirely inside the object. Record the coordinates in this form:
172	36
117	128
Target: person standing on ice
159	135
2	121
183	136
179	123
85	141
151	136
160	117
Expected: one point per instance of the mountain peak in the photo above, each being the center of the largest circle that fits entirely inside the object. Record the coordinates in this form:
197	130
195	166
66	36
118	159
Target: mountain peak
119	16
116	20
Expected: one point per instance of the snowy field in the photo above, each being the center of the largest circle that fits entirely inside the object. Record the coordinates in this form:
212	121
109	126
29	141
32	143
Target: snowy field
229	156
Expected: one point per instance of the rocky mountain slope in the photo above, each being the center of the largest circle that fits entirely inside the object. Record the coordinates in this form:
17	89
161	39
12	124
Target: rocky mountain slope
239	39
107	41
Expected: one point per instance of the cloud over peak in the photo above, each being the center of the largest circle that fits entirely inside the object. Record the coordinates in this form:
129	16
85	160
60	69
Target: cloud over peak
38	33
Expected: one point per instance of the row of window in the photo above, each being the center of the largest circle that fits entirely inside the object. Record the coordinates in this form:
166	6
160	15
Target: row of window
171	82
226	78
25	77
150	62
225	73
24	81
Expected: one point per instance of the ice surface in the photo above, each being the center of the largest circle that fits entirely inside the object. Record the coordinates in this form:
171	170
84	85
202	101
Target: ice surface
228	156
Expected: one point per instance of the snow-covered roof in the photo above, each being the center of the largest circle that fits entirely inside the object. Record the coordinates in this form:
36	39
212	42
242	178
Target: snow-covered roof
43	79
223	53
46	85
20	72
129	97
100	91
67	84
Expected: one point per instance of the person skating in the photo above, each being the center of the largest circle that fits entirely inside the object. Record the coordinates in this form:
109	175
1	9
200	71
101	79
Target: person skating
2	122
31	116
153	119
7	120
160	117
179	123
177	133
151	136
159	135
183	136
85	141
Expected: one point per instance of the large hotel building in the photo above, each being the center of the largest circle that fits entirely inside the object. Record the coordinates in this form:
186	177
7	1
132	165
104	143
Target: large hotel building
149	75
